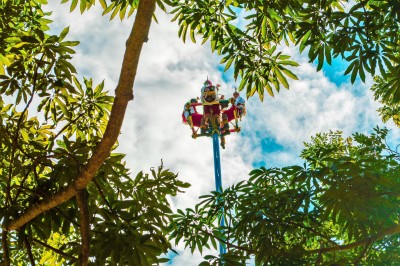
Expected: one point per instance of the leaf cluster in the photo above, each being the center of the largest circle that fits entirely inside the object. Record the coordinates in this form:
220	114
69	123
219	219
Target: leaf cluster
250	49
388	98
247	34
130	217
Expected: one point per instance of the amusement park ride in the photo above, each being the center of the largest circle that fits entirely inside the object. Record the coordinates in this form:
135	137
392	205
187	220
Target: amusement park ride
216	116
215	122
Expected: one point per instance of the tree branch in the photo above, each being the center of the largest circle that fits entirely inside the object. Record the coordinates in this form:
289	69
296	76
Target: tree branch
29	250
68	124
81	200
363	252
227	243
6	252
67	217
326	238
102	195
15	137
388	231
59	252
19	187
123	94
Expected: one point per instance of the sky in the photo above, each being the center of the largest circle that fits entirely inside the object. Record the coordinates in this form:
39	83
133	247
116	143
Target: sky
172	72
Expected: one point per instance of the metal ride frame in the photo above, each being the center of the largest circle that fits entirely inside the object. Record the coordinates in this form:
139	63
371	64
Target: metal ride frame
215	134
214	131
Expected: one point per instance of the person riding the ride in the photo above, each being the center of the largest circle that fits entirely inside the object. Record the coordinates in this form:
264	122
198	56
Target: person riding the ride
211	108
239	102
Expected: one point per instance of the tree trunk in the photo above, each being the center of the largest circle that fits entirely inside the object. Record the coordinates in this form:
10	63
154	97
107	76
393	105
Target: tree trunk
123	94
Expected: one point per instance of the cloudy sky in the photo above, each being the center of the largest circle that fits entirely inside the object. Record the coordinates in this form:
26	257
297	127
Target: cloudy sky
171	72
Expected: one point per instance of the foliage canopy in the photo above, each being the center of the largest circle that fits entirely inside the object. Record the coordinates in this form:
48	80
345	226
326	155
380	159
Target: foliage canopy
341	207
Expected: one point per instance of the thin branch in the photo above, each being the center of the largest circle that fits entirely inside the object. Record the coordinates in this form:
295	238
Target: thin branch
102	195
16	136
10	172
326	238
21	186
68	124
362	254
112	211
6	251
227	243
124	93
67	217
82	201
388	231
319	258
391	151
29	250
59	252
228	235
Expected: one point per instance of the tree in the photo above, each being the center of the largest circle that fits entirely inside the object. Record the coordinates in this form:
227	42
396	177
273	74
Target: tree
340	208
49	159
60	162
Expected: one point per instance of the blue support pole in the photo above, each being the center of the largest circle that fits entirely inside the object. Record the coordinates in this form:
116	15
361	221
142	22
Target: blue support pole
218	181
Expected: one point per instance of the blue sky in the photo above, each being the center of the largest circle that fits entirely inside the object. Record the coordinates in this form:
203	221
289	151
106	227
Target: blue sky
335	71
171	72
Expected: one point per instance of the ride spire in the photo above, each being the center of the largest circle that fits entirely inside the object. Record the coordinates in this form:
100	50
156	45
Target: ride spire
215	121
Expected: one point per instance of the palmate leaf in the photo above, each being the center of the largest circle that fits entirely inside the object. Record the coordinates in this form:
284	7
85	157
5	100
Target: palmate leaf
273	74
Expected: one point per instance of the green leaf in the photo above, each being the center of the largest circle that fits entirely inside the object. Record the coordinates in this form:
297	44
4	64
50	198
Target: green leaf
354	73
362	73
192	37
281	78
163	260
5	60
78	85
328	54
109	8
82	6
288	62
350	67
264	27
70	43
115	11
63	33
62	106
103	4
304	40
229	63
74	3
123	12
269	89
320	59
289	73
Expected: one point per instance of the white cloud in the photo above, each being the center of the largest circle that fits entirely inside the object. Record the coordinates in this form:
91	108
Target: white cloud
313	104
